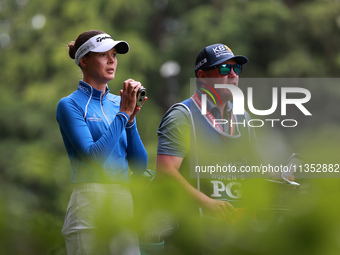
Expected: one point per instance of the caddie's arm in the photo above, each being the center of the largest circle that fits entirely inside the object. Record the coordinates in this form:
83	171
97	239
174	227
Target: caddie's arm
168	166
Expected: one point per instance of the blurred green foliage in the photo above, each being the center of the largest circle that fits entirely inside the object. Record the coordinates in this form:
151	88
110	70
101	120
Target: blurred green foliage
281	39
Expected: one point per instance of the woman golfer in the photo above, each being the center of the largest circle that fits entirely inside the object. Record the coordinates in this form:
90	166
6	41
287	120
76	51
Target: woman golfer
102	141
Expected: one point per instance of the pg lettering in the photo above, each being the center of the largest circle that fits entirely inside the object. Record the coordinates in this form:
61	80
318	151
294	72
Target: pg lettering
232	189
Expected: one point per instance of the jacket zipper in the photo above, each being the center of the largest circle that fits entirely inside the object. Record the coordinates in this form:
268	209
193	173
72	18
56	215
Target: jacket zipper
102	106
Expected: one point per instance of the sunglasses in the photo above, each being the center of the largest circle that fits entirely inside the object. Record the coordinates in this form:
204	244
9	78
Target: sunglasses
225	69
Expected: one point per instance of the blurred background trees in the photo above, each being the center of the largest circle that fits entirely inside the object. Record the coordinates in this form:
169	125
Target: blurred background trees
282	39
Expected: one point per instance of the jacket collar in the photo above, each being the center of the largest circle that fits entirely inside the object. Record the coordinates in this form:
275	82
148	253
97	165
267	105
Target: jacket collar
91	91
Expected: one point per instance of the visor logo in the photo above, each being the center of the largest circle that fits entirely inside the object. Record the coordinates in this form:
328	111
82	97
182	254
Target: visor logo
100	39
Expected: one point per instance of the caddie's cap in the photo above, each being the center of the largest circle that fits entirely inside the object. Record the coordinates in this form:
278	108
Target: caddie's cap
100	43
216	54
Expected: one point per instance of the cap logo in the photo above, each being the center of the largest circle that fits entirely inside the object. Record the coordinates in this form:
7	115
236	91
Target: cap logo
221	50
201	63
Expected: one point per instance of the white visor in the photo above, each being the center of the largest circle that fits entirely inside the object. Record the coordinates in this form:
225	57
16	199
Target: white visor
100	43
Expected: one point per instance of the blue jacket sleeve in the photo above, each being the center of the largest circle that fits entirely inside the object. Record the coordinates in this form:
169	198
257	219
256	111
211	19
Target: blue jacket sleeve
136	153
78	135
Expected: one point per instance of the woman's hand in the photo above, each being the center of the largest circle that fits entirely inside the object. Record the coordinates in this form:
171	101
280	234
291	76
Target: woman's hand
128	103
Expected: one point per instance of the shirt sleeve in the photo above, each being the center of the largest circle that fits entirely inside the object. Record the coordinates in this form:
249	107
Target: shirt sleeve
136	153
174	133
77	133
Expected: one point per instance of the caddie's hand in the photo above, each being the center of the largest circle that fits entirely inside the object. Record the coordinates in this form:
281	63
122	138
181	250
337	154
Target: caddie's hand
220	209
128	98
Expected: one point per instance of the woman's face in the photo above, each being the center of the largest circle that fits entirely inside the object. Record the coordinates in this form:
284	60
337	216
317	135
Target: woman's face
101	66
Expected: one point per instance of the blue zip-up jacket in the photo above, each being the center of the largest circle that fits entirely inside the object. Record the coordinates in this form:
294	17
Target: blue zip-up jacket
100	144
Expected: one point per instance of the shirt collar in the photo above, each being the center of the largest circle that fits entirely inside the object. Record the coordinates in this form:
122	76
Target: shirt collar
213	109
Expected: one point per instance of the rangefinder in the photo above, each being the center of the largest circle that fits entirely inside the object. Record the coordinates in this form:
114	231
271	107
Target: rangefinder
141	94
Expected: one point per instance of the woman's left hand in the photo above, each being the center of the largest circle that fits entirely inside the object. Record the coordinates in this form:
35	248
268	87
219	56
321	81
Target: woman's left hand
137	110
131	88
